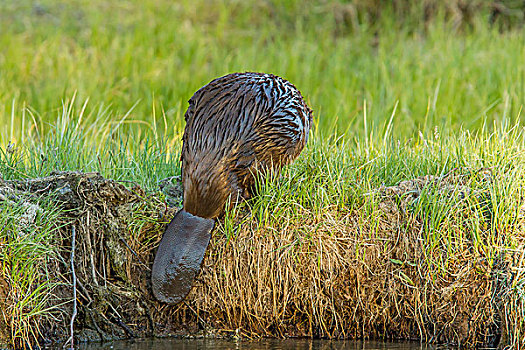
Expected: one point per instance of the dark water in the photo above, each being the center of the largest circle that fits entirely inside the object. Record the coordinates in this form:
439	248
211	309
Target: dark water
289	344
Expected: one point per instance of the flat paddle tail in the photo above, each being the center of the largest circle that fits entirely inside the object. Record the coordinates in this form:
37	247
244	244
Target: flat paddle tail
179	256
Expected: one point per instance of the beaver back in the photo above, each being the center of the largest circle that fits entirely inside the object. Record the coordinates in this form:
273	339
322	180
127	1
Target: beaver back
237	125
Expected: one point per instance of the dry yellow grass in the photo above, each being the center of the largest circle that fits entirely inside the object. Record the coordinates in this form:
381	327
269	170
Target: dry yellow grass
341	275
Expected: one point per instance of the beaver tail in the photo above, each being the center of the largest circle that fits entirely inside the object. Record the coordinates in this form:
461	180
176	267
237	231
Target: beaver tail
179	256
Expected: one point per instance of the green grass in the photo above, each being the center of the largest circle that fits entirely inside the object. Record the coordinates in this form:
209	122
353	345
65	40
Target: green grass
97	86
340	173
139	57
339	176
28	250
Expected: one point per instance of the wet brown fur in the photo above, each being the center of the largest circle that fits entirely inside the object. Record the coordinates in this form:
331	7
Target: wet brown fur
237	125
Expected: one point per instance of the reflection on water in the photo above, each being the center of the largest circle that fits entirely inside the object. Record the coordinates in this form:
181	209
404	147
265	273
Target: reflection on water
267	344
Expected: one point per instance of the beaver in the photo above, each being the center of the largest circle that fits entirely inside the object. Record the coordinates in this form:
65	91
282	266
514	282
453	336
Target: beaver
238	125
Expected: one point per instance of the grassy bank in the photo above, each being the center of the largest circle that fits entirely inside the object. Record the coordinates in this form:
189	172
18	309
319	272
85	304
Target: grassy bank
403	217
419	239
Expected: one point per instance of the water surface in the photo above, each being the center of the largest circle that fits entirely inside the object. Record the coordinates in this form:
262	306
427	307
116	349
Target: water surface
267	344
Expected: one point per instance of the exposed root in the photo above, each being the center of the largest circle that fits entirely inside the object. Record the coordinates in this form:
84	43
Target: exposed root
71	340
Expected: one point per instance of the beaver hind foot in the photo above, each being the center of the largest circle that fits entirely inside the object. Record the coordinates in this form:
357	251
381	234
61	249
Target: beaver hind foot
179	256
